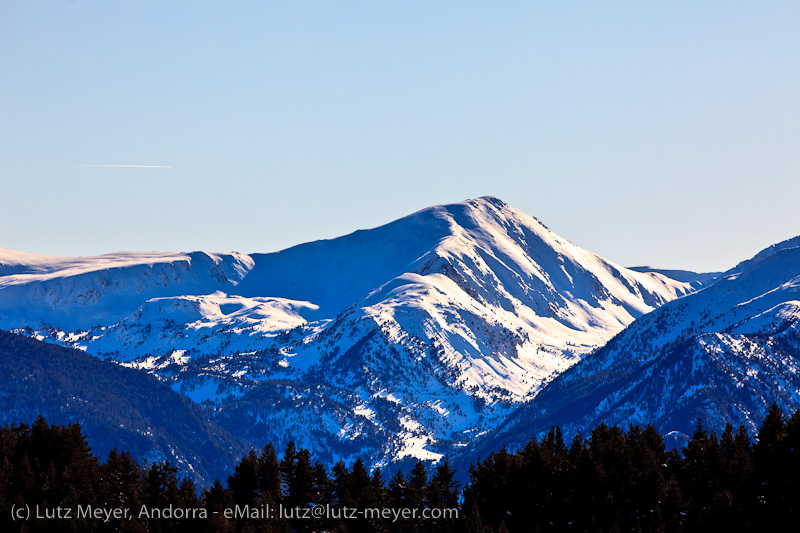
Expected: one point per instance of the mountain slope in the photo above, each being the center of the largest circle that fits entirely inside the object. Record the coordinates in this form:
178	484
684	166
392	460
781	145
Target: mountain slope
405	340
724	354
697	279
116	407
80	292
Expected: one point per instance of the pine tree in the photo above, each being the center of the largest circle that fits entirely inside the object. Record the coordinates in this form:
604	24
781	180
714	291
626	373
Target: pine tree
323	488
215	500
122	482
792	466
340	484
243	483
492	488
442	494
534	487
268	475
417	485
607	450
301	483
397	499
359	490
703	469
737	476
770	455
359	485
378	488
644	485
287	466
159	491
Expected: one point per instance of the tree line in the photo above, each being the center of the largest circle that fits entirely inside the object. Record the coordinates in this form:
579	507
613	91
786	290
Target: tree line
611	480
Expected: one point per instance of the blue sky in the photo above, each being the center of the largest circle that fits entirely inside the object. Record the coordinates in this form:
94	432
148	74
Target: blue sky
661	133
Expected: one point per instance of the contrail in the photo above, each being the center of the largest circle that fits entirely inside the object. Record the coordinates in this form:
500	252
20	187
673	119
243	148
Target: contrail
123	166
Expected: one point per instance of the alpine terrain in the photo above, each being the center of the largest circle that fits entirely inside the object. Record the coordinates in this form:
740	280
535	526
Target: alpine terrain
723	354
409	340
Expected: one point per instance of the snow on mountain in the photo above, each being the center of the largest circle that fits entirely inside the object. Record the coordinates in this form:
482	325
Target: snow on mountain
697	279
405	340
80	292
794	242
724	354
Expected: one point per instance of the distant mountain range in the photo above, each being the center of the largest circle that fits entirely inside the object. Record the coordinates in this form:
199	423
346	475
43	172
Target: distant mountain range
451	329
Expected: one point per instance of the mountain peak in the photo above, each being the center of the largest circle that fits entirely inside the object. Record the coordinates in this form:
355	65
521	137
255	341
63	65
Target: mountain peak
435	324
491	200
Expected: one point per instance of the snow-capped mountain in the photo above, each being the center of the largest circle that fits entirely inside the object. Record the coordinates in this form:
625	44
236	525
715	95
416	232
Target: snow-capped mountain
404	340
723	354
80	292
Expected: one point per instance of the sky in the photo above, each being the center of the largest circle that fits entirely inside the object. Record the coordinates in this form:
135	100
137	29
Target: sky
651	133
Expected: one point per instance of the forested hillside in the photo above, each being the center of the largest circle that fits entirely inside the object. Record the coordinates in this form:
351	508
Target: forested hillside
116	407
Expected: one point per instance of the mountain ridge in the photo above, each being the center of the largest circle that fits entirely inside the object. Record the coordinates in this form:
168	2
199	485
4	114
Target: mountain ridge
723	353
405	340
